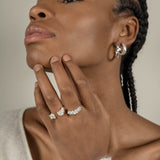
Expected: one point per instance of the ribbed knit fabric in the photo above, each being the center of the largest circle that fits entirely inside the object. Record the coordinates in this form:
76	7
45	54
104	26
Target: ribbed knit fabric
13	142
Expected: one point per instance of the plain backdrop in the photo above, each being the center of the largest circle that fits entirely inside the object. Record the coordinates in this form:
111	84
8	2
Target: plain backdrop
17	79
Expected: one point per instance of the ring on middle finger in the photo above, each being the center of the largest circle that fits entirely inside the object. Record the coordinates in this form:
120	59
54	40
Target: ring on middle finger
61	111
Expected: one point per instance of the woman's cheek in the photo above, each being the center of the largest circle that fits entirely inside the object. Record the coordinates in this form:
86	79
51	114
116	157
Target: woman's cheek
84	44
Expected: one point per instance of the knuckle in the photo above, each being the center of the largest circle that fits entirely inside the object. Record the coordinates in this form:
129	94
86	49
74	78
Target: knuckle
67	90
50	97
39	106
82	82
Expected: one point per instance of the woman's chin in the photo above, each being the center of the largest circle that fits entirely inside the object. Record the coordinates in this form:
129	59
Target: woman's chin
46	68
45	62
40	54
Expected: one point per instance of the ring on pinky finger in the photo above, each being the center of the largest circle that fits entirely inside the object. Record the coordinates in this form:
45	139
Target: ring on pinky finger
52	116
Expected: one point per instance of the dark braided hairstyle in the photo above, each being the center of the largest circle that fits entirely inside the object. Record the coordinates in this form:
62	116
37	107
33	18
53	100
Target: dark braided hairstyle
138	8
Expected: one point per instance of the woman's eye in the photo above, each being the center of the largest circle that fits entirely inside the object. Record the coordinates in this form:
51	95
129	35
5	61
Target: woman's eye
68	1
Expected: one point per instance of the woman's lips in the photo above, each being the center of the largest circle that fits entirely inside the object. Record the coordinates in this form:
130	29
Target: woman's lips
34	33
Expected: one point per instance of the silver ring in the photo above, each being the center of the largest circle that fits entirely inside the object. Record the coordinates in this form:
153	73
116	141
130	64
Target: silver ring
61	111
52	116
74	112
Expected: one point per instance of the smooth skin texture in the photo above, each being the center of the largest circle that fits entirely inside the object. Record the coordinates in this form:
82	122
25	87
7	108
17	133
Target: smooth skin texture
92	118
87	31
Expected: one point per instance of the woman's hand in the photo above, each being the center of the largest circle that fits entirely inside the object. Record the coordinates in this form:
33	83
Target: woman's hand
84	136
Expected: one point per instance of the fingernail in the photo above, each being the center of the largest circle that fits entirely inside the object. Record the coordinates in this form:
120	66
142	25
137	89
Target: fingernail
66	58
54	59
37	67
36	84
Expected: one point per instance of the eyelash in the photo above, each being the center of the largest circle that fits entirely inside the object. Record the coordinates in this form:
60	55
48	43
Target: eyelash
65	1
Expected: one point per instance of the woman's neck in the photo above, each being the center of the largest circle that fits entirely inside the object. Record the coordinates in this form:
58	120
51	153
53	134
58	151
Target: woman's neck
104	80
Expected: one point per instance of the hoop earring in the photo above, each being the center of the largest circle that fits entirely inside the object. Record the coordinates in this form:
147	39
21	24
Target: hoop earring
121	50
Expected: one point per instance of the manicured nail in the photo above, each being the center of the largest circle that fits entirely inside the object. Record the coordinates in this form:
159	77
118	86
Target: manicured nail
37	67
66	58
54	59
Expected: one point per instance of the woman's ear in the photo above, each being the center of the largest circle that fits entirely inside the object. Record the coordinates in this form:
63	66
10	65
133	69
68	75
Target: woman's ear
129	30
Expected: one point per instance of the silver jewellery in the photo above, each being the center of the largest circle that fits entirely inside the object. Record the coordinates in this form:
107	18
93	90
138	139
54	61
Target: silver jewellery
121	49
60	113
52	116
74	112
62	110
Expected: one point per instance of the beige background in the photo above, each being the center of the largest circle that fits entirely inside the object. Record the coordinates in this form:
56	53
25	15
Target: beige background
17	79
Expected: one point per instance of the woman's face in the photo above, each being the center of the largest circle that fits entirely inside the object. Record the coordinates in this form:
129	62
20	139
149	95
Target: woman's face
83	29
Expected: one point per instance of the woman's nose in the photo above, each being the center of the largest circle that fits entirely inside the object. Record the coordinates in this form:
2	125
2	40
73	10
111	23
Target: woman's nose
38	13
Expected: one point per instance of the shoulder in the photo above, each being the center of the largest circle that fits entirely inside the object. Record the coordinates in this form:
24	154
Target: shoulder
12	135
11	121
144	131
131	130
150	151
150	131
8	119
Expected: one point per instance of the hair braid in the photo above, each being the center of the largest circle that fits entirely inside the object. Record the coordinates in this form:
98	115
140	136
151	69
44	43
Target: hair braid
138	8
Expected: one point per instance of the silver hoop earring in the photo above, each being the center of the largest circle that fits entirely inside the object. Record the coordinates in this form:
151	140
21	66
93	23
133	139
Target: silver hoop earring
121	49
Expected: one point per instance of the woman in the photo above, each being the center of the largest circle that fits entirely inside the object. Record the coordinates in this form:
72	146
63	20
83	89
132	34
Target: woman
90	46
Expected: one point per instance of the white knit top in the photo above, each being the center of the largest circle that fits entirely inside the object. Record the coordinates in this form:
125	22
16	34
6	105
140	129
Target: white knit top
13	142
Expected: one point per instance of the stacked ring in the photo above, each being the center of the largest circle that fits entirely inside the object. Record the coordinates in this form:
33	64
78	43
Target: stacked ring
74	112
62	110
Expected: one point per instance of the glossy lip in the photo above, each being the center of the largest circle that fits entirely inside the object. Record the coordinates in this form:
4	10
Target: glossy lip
35	33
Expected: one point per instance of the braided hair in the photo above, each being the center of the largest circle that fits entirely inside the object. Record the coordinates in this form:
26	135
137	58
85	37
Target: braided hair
138	8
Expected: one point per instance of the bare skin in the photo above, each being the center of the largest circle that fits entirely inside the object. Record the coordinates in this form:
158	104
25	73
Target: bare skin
87	31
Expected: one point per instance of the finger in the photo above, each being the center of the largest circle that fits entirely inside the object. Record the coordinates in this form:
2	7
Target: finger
81	82
41	106
65	85
50	96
